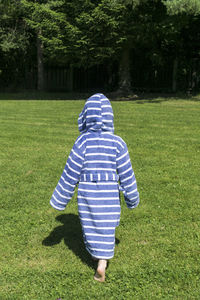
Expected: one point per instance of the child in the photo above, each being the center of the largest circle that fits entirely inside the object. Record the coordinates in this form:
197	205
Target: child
98	160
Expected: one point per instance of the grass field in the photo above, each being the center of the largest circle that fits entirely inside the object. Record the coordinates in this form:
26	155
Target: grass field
157	255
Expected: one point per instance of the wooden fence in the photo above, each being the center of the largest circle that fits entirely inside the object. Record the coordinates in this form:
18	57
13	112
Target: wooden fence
145	77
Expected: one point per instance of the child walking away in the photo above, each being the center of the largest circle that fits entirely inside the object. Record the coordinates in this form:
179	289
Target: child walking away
98	160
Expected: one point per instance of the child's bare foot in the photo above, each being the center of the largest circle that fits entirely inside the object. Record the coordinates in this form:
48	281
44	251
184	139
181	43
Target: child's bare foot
101	270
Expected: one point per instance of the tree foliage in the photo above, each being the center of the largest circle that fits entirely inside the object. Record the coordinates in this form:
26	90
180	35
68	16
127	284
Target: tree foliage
47	20
189	7
13	32
86	33
15	40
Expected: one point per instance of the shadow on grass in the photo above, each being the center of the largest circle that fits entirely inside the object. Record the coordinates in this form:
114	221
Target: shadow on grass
142	98
35	95
71	232
137	97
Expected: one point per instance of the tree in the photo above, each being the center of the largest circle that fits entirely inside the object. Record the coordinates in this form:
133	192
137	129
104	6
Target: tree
87	33
99	35
46	19
189	7
188	11
14	41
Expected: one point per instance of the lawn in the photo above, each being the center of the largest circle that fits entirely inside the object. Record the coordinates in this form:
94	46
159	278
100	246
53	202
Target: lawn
157	251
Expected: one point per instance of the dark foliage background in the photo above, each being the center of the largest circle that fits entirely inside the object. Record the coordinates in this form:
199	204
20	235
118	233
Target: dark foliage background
59	45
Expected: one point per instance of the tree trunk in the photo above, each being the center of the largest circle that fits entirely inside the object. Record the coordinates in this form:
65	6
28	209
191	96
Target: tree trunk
174	76
40	67
124	72
71	77
194	74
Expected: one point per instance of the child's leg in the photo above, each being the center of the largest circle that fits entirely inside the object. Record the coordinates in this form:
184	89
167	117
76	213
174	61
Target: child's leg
101	270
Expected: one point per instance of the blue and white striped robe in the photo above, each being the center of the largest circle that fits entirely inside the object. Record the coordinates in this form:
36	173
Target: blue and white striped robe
98	161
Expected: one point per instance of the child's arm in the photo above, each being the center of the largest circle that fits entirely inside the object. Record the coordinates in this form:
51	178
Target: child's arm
68	180
127	177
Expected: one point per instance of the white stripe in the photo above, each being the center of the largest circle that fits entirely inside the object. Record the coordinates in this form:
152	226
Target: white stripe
102	154
122	156
96	234
107	113
70	176
75	162
107	121
133	198
81	136
96	206
93	116
120	144
99	162
108	126
99	183
82	144
96	95
58	200
91	179
108	133
99	176
93	108
125	171
98	198
80	125
100	146
66	182
56	207
103	106
96	191
122	165
99	221
77	154
126	186
124	180
77	172
62	195
104	213
99	169
93	101
98	242
95	227
103	250
71	192
132	192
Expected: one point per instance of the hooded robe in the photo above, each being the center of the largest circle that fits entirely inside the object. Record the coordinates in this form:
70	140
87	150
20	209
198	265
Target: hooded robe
100	164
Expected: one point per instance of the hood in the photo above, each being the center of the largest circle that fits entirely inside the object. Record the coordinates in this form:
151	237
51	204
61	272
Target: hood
96	115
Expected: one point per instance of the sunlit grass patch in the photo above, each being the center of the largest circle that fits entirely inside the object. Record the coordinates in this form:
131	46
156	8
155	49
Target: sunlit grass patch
157	250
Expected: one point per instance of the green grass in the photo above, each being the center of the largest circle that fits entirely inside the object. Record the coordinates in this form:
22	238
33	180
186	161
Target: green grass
42	255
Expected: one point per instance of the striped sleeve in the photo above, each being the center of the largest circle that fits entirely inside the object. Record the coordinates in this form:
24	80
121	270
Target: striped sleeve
127	177
68	180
